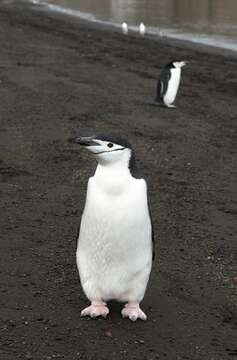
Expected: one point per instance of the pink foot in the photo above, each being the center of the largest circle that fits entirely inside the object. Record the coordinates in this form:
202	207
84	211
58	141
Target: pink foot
133	312
97	308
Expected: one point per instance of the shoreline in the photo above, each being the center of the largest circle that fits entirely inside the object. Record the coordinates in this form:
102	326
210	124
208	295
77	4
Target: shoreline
61	78
107	25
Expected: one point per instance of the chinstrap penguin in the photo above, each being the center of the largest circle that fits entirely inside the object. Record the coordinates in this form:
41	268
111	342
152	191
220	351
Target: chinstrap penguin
142	29
124	28
115	245
168	83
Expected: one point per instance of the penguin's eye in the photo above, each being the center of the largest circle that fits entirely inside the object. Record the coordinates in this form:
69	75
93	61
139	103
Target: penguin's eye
110	145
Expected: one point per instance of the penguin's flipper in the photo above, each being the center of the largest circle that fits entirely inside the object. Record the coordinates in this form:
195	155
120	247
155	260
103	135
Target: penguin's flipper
159	90
163	82
152	230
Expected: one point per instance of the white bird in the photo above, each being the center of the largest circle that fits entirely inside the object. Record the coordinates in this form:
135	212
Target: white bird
168	83
114	253
142	29
124	28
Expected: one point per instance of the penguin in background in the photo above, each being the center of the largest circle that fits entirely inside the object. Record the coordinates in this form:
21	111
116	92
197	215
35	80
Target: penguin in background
124	28
115	245
168	83
142	29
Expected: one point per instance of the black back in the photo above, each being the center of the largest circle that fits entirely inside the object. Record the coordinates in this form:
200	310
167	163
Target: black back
163	82
137	174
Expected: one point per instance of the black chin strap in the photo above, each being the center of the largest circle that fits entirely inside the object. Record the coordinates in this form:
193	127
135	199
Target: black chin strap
105	152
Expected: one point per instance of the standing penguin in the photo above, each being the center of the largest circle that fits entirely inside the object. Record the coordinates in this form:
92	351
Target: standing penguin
168	83
125	28
142	29
115	250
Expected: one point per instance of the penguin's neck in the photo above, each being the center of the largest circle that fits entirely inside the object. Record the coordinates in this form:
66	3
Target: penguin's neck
119	169
114	176
176	73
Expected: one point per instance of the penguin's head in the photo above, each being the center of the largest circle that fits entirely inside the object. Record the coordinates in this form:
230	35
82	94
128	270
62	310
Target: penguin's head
178	64
107	148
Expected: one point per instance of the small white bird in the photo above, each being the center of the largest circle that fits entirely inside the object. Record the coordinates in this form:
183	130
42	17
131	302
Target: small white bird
161	33
124	28
142	29
115	245
168	83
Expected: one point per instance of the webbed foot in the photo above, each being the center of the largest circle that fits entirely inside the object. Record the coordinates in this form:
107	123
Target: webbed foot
133	312
97	308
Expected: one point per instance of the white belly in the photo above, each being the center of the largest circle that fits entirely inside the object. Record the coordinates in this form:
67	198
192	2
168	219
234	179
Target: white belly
173	86
114	251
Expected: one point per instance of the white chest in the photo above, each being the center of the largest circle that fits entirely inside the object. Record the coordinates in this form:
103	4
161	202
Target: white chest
116	203
116	210
173	86
115	246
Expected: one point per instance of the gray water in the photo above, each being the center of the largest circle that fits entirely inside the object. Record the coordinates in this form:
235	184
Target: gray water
211	22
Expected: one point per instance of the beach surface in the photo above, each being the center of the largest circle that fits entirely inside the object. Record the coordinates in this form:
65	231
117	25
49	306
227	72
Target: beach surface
61	77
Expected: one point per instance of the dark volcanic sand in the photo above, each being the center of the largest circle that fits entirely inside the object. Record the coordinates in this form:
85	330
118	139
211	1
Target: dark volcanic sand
62	78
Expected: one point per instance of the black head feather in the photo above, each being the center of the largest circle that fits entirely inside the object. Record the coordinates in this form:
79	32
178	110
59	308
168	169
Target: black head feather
170	65
114	138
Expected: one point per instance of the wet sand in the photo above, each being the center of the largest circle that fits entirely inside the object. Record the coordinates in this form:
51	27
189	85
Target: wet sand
61	77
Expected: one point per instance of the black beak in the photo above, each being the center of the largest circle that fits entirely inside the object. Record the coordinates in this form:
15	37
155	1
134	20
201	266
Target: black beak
86	141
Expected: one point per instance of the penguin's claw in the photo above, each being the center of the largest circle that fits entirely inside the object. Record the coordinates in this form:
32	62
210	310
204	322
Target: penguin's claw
171	106
95	311
133	312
